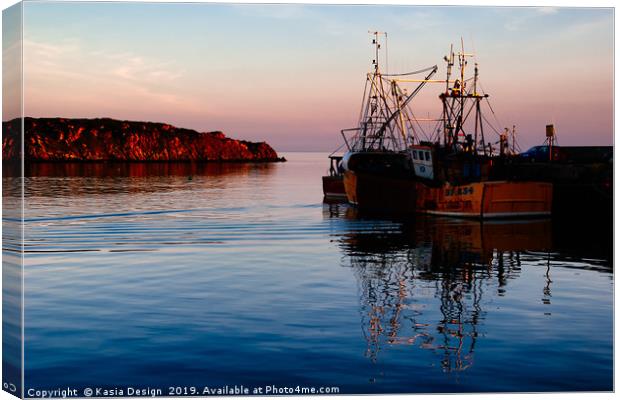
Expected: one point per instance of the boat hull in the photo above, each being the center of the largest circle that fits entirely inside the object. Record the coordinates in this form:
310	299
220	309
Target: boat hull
380	193
480	200
333	188
491	199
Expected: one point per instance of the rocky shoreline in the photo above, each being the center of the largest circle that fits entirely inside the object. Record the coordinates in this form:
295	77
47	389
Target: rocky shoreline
105	139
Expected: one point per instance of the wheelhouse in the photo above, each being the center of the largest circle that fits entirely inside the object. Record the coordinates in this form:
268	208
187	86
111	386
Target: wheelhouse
422	160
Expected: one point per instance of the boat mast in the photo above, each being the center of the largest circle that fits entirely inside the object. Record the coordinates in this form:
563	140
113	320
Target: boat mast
478	116
455	105
384	121
376	108
460	120
447	128
478	98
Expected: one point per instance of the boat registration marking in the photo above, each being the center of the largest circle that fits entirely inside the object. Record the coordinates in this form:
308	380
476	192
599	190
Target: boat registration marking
459	191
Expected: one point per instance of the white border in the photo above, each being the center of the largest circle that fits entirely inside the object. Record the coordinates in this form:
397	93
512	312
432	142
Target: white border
532	3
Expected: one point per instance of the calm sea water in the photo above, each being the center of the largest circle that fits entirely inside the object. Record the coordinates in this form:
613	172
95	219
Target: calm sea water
151	275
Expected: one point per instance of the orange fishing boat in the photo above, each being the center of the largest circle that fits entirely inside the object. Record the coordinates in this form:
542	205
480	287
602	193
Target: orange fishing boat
493	199
490	199
454	172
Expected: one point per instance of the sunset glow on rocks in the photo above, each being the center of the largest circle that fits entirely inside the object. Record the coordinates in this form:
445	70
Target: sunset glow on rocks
104	139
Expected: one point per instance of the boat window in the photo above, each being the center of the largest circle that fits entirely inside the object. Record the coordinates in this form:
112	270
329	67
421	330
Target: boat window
428	156
421	155
415	155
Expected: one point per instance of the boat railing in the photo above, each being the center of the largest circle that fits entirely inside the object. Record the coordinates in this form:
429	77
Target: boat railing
344	136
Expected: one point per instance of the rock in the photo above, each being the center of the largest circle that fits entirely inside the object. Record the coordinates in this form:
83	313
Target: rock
105	139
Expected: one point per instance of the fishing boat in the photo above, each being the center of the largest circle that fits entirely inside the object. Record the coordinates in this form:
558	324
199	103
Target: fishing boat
454	172
333	183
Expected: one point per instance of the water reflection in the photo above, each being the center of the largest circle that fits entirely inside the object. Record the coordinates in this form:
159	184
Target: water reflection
242	266
12	252
121	169
404	269
66	180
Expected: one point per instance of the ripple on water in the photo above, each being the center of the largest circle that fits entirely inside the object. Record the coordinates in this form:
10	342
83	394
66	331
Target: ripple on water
243	276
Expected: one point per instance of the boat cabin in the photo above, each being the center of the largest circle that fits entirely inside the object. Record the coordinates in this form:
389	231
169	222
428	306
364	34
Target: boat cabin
422	160
335	166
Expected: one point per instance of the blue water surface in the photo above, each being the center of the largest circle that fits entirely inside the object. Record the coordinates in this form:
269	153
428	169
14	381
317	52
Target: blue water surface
152	275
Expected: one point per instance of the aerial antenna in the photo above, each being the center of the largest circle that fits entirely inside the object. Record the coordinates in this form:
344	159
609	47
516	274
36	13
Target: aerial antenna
377	45
462	63
515	146
473	46
387	71
449	59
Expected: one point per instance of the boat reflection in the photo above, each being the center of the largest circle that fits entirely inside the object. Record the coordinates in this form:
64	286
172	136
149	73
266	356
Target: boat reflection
423	283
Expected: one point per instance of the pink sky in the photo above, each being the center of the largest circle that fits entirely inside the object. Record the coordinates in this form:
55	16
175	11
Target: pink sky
293	75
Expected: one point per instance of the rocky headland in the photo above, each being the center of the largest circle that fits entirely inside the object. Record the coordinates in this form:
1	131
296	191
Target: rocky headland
105	139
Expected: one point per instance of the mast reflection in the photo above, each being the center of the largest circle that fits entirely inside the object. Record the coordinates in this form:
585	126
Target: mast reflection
422	283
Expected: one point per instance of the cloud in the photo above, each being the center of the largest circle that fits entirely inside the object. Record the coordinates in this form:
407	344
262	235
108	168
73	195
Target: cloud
275	11
422	20
11	70
325	23
136	69
547	10
49	50
527	15
49	66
